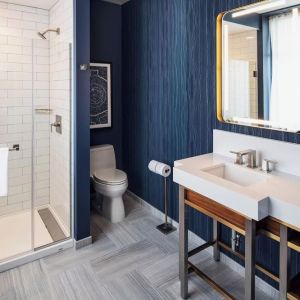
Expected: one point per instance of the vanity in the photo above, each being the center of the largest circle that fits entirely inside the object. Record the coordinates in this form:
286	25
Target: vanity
250	201
250	184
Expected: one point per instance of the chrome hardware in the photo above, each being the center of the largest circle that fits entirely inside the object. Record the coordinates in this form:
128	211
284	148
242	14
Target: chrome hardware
238	158
84	67
251	157
57	124
266	166
235	241
43	110
15	147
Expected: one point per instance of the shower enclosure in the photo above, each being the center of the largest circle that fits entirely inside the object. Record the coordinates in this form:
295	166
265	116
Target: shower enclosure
35	123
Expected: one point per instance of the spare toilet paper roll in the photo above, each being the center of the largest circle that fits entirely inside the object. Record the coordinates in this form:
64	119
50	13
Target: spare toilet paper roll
159	168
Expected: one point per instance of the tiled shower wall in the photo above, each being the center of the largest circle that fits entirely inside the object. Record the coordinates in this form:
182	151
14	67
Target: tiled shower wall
243	46
24	69
61	15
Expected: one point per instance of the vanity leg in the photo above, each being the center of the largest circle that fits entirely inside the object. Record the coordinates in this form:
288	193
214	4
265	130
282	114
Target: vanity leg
216	234
183	245
284	262
250	260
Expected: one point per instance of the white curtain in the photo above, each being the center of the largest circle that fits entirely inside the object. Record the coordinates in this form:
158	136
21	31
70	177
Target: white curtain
285	87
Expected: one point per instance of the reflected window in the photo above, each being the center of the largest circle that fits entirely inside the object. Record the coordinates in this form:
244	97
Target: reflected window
284	105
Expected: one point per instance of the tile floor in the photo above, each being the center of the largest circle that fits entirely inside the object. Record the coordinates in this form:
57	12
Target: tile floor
130	260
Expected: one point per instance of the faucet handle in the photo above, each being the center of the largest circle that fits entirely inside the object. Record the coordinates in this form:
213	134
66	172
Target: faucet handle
238	158
251	154
266	165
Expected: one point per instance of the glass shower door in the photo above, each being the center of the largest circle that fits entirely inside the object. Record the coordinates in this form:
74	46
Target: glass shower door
52	147
35	124
42	114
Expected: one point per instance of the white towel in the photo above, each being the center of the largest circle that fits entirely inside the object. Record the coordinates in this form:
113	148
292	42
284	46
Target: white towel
3	171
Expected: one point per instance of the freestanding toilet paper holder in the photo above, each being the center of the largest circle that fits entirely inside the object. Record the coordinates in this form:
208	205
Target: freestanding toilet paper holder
166	227
164	171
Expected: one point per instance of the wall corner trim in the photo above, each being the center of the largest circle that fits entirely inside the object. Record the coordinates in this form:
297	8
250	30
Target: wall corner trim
83	243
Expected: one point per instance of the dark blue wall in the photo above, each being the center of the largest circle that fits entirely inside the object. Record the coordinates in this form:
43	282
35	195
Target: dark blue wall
82	115
169	98
106	46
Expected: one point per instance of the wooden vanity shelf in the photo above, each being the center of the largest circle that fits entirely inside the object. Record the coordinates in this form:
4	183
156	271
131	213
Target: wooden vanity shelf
216	211
269	227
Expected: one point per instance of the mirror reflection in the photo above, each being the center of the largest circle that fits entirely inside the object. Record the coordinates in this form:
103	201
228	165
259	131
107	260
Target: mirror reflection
260	65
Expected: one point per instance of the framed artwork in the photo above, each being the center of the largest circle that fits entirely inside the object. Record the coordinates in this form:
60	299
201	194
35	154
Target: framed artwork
100	106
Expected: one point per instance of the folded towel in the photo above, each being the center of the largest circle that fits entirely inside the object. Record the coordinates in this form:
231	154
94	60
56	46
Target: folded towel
3	171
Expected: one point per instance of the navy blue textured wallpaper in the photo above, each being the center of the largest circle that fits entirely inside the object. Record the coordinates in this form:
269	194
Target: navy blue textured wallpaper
169	110
82	117
106	46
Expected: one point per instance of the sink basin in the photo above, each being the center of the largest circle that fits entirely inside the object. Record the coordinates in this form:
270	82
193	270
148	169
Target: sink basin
236	174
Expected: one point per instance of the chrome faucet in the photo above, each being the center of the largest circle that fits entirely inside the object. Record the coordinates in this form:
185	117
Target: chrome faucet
251	157
268	165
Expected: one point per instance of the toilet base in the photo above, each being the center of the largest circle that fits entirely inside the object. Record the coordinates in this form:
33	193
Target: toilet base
113	209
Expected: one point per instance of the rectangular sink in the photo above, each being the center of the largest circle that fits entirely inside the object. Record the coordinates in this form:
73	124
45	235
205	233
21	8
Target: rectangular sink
237	174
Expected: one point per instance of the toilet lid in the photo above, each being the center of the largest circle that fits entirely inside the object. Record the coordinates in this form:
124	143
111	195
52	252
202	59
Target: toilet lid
110	176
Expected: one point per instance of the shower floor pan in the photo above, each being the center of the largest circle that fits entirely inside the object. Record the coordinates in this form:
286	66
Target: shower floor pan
16	236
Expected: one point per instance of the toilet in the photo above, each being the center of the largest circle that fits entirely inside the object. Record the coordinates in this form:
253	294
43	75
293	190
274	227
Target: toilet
108	182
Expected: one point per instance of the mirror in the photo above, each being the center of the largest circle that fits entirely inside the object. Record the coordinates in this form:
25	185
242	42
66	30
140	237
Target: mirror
258	60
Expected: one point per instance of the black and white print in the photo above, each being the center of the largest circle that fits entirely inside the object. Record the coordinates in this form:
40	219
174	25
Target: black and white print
100	106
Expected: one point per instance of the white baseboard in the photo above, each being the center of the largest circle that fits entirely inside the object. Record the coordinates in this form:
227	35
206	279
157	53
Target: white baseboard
83	243
261	284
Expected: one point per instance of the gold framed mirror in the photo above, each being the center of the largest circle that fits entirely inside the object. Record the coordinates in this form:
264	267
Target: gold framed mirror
258	58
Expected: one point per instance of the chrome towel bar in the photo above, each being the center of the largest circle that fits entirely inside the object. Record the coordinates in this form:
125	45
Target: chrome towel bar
15	147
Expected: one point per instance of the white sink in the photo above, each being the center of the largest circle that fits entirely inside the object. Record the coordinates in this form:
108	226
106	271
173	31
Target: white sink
236	174
218	178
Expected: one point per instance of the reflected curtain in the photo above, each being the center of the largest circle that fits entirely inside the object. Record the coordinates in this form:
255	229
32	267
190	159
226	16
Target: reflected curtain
285	89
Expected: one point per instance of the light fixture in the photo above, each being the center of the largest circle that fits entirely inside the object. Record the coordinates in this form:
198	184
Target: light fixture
296	12
258	8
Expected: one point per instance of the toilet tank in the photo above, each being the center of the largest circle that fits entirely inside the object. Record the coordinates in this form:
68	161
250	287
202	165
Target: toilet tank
102	157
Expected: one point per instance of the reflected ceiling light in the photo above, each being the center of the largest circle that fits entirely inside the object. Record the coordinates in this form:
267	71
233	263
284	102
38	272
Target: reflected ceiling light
258	8
295	12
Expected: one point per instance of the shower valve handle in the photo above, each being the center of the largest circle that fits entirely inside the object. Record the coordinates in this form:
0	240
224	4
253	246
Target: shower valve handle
55	124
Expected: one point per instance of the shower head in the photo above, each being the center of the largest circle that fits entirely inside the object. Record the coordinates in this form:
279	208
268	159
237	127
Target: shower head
42	34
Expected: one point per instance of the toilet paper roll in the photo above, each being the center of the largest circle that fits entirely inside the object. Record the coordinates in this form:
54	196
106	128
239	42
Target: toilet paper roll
159	168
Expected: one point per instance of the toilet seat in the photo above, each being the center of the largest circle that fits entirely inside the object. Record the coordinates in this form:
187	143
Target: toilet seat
110	176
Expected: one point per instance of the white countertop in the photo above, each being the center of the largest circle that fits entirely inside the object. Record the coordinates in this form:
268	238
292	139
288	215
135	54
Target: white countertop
277	195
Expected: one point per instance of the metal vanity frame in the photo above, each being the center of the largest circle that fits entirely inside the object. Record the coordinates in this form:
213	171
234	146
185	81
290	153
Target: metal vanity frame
288	236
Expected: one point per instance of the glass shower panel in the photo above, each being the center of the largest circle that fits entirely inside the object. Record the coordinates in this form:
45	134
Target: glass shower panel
52	134
16	109
41	140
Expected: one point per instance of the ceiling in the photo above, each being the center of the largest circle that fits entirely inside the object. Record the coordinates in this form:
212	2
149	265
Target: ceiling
45	4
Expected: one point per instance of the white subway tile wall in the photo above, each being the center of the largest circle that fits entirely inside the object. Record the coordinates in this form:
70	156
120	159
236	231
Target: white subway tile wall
24	86
243	46
61	15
